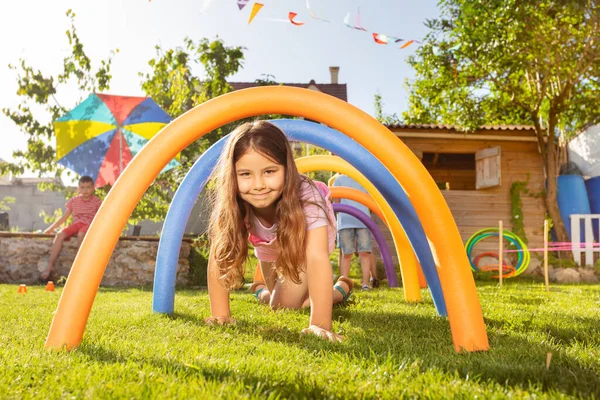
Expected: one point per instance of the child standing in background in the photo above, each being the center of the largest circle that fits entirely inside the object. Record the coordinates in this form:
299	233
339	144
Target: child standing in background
262	198
84	207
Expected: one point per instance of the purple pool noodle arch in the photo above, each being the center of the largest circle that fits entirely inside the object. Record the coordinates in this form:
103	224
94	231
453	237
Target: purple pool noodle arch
377	235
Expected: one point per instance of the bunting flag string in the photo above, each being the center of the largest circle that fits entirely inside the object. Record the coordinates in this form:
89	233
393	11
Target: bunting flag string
378	38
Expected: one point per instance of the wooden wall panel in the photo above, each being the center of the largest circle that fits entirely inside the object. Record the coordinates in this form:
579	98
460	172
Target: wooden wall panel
477	209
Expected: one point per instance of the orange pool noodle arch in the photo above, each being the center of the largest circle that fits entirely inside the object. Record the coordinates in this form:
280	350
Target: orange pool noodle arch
462	302
358	196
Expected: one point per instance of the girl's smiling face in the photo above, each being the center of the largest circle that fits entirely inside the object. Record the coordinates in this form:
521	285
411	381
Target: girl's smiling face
260	180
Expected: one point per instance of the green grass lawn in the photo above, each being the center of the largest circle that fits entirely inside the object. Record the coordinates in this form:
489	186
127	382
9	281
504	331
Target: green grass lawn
393	349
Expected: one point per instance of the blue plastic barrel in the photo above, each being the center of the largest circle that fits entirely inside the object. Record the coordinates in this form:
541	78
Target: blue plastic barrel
572	199
593	189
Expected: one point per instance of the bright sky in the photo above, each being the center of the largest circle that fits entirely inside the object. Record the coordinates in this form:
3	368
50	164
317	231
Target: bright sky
35	30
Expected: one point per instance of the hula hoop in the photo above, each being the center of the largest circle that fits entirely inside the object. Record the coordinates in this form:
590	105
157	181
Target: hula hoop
524	256
487	254
510	270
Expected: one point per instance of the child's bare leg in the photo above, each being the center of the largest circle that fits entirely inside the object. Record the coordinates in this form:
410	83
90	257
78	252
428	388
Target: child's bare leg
259	289
54	252
287	294
373	266
345	261
270	275
80	236
337	295
365	265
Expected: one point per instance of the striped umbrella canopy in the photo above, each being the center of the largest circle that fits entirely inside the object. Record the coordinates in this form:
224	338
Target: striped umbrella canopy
102	134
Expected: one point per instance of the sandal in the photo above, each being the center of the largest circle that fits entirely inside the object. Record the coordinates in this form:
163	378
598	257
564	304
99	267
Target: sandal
374	283
254	289
340	289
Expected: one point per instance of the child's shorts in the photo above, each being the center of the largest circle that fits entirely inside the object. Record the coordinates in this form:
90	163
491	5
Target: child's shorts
75	229
351	240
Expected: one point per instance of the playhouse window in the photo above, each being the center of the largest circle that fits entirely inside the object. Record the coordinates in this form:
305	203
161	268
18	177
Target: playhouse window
451	171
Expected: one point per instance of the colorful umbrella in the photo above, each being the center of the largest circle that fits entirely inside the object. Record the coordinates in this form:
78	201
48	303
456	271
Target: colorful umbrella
101	135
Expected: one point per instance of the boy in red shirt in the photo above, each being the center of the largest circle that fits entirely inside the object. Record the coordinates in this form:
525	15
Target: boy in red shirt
83	207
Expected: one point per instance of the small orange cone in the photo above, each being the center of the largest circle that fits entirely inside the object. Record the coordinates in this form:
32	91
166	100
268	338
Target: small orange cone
22	289
50	286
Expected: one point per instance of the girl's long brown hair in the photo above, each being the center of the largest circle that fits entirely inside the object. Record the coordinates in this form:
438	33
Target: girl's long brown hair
227	230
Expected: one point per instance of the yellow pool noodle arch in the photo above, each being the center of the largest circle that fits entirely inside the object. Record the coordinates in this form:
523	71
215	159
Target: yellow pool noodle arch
407	258
462	302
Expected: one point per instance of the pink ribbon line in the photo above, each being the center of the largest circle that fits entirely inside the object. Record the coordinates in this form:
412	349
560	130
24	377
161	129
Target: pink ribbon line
569	244
549	249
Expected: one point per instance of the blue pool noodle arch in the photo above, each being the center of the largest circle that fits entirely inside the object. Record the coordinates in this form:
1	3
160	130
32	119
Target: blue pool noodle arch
315	134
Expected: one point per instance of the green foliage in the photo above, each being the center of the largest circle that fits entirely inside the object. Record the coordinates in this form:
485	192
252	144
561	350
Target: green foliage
511	62
55	216
4	203
385	119
4	206
392	350
555	259
177	89
39	92
488	62
516	209
306	150
172	83
198	258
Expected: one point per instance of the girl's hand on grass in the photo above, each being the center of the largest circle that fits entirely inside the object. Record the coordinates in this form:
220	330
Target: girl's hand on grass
322	333
219	321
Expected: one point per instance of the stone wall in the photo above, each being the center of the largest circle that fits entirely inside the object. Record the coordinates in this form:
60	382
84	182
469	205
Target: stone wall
131	264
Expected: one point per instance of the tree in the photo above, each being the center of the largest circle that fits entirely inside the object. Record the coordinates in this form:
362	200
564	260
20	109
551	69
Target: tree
171	83
40	91
512	62
174	86
385	119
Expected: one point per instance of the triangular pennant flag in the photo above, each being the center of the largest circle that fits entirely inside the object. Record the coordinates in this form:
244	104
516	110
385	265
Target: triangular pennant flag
358	25
291	16
242	3
380	39
255	9
405	45
313	14
204	4
347	21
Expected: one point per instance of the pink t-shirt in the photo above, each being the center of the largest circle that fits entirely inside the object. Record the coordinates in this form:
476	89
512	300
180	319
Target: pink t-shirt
83	210
264	240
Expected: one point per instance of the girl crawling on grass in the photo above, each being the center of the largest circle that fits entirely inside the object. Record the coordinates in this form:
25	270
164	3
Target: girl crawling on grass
261	198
